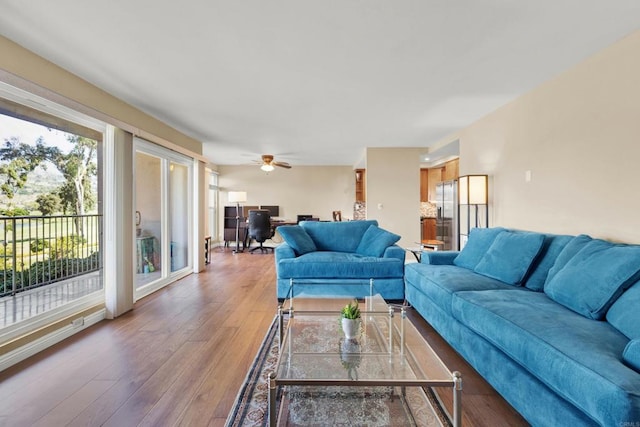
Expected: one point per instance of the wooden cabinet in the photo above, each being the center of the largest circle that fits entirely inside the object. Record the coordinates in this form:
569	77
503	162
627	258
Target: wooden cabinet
450	170
435	176
429	178
428	229
360	175
424	185
230	225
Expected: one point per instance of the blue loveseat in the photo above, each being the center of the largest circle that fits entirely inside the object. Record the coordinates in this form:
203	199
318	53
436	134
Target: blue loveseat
551	321
331	253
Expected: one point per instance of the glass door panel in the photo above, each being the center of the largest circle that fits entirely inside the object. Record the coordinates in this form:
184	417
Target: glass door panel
179	214
148	219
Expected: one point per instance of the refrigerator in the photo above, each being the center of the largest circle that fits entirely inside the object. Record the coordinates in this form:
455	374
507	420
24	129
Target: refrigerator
447	214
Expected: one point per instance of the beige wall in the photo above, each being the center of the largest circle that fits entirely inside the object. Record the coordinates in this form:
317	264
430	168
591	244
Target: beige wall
579	135
316	190
393	191
57	84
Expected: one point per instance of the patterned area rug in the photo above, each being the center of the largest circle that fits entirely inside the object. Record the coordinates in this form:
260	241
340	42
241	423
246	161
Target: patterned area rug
329	406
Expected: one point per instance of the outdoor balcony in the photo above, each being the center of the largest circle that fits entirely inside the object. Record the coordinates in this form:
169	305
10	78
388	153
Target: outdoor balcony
46	262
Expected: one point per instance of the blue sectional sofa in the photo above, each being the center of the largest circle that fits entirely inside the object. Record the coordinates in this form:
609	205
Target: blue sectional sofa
332	253
551	321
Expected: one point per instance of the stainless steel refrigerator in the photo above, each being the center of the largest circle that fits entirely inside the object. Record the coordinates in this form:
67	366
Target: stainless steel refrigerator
447	214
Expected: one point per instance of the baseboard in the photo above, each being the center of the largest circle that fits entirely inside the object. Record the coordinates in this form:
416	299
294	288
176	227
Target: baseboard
18	355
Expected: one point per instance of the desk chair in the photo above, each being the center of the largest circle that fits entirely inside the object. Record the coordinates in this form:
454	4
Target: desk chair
304	217
260	228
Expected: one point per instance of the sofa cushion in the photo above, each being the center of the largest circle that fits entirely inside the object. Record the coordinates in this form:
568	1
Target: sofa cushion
296	237
375	240
568	252
624	314
595	277
631	354
340	236
480	239
510	256
551	248
440	282
578	358
334	265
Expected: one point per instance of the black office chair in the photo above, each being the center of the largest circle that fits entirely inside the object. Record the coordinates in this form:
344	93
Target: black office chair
260	228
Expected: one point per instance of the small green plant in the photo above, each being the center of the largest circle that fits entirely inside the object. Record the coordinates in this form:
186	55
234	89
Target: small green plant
351	310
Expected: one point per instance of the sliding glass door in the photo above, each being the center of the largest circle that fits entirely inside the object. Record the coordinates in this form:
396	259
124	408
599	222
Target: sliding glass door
163	204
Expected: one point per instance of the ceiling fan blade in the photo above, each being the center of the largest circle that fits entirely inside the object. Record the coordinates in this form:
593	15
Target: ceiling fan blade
282	164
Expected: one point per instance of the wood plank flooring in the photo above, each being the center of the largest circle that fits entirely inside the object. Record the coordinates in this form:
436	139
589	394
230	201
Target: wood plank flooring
180	357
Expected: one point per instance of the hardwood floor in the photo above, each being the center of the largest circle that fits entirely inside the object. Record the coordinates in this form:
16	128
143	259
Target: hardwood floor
180	357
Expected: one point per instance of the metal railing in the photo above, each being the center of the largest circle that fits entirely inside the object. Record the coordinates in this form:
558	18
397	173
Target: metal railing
39	250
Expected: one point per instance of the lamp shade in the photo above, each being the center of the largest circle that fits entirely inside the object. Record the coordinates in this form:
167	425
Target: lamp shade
473	189
267	167
237	196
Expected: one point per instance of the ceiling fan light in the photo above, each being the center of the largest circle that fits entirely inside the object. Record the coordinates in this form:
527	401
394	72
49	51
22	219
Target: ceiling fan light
267	168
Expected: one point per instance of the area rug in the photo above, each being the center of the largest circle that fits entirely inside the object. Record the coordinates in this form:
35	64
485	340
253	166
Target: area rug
320	406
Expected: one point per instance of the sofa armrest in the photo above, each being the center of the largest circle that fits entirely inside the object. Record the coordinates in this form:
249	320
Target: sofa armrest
394	251
438	257
284	251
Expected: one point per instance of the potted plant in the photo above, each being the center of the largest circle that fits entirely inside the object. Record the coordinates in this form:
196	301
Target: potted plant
351	319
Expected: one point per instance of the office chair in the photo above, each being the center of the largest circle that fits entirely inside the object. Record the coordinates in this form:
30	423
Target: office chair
304	217
260	228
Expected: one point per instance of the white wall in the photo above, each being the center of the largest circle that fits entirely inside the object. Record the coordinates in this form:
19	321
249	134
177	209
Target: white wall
579	135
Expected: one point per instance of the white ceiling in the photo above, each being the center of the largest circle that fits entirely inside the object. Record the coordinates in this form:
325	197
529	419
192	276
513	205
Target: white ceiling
315	82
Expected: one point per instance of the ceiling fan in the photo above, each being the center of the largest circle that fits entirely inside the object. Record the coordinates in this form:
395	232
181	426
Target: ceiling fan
267	163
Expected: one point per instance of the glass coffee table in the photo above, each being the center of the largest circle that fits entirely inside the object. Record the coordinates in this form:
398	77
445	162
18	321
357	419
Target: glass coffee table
389	353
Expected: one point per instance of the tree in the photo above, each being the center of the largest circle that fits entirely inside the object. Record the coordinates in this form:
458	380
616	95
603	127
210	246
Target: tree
77	167
48	204
21	159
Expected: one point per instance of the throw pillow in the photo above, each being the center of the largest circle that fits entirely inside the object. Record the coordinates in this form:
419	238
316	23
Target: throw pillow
480	239
510	256
551	248
624	314
595	277
296	237
375	241
568	252
631	354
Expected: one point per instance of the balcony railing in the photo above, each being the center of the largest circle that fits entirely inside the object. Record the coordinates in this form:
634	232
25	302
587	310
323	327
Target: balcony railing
40	250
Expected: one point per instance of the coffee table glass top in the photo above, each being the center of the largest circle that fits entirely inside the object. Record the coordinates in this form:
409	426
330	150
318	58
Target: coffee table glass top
388	349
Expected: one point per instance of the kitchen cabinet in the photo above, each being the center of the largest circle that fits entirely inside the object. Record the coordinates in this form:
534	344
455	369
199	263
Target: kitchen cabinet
434	177
450	170
424	185
360	175
429	229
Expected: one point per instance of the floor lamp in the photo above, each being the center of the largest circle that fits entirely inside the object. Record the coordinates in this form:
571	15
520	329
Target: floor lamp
237	197
473	191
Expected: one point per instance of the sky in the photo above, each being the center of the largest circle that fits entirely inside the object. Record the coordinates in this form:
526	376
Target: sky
29	132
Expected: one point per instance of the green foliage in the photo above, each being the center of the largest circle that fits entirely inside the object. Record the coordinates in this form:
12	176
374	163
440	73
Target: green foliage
19	160
48	204
77	167
38	245
66	247
43	272
14	212
351	310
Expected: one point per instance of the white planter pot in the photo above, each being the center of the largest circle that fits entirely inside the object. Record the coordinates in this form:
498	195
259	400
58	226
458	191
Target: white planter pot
351	328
